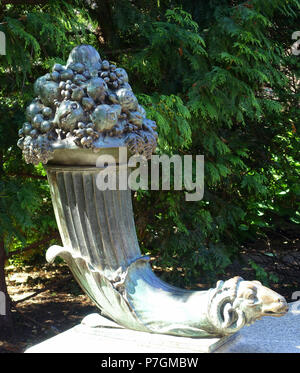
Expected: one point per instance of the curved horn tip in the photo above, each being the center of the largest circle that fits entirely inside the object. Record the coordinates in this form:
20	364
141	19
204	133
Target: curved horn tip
53	252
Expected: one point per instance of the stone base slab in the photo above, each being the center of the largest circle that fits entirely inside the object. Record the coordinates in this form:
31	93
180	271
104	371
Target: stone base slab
269	335
97	334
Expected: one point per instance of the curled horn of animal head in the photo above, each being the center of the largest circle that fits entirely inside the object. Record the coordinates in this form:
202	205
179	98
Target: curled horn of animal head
236	302
226	319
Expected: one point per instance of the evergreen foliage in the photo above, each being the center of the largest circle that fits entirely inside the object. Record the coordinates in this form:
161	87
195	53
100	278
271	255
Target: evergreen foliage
219	79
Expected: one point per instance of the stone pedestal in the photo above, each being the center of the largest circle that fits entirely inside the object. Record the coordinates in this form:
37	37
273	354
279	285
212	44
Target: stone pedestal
97	334
269	335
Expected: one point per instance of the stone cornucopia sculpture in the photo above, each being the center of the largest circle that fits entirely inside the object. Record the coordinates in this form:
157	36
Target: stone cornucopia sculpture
86	109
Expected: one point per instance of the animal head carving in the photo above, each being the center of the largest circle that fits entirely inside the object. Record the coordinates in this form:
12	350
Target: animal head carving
237	302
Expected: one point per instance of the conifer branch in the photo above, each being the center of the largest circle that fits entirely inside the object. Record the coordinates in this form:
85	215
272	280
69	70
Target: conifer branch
33	245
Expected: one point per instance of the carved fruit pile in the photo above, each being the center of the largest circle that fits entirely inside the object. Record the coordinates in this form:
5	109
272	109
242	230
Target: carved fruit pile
85	101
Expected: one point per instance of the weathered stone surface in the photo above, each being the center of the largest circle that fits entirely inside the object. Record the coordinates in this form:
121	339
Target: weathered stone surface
97	334
100	335
269	335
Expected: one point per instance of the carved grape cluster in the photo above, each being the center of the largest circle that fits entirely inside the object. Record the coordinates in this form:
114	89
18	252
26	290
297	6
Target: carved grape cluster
37	132
114	77
85	135
37	149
